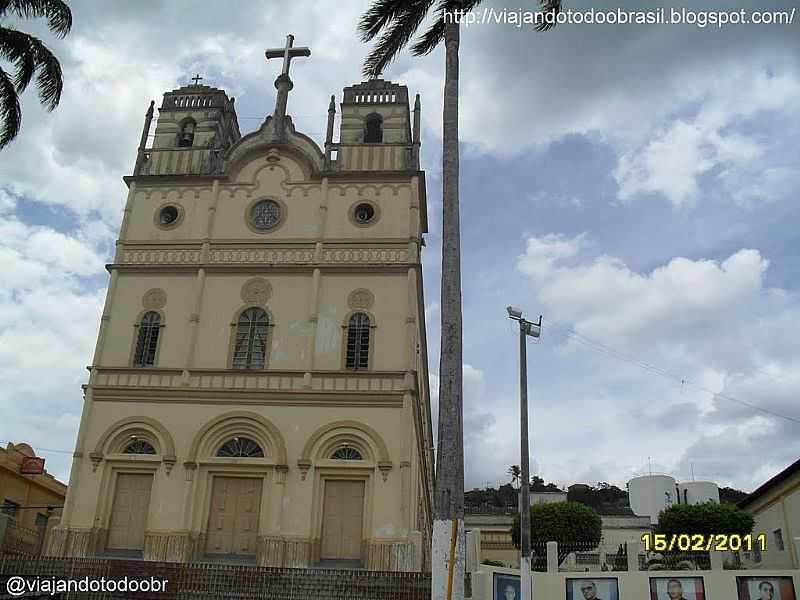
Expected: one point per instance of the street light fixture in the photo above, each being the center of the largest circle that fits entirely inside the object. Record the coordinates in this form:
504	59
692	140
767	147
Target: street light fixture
534	330
514	312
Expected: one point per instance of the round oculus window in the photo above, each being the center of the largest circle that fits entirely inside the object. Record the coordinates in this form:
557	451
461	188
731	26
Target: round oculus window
364	213
265	214
168	215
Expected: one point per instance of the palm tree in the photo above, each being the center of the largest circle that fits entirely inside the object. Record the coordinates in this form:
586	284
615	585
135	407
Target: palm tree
29	55
515	473
394	23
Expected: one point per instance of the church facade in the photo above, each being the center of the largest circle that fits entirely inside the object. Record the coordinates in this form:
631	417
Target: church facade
259	389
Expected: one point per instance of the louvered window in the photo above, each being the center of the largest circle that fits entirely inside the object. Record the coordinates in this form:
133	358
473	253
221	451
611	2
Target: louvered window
358	342
147	340
250	347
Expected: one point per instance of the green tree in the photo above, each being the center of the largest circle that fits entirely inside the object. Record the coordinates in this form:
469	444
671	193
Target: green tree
573	525
29	56
394	23
731	495
605	498
538	485
706	519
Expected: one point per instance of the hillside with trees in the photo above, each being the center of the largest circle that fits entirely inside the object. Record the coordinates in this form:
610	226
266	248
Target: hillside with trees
604	498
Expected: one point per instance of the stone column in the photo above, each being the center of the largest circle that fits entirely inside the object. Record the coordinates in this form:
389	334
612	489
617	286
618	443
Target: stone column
633	550
329	132
194	322
148	119
126	213
473	550
795	564
313	320
416	138
552	557
716	561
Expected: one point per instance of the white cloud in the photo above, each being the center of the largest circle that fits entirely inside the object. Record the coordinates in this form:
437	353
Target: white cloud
606	299
674	158
541	254
48	325
7	202
697	326
672	105
749	187
672	161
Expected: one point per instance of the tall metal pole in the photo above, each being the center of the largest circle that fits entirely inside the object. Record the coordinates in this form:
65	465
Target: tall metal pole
525	514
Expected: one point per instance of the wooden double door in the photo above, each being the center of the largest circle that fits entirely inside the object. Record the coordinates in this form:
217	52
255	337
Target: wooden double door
233	516
129	512
342	520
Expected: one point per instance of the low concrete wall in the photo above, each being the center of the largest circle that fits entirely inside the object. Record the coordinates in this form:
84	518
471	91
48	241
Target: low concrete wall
633	584
719	585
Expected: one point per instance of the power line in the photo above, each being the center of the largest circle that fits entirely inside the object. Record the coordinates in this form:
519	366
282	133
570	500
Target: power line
599	347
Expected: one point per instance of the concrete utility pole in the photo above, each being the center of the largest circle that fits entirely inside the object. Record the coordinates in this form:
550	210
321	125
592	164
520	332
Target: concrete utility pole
526	328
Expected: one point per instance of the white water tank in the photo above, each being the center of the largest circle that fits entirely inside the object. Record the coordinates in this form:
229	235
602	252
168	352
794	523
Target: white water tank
697	492
650	494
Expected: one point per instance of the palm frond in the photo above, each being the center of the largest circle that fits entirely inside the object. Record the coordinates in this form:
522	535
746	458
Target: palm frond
49	81
15	48
10	111
430	39
549	6
378	15
30	55
398	28
435	34
57	13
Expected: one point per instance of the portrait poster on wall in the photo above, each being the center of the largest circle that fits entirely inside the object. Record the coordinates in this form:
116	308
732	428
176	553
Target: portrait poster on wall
593	588
765	588
506	587
677	588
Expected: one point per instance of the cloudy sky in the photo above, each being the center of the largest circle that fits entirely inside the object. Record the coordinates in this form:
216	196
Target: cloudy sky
636	185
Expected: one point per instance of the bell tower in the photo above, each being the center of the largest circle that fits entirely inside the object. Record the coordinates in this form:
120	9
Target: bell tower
376	129
196	125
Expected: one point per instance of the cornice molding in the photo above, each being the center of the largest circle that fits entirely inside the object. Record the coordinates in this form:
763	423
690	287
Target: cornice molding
292	388
237	253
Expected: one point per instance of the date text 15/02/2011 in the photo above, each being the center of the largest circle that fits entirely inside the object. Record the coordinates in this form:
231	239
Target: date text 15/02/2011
698	542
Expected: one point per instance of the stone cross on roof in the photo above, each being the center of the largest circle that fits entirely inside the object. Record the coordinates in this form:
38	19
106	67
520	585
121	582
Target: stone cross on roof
197	79
287	53
283	83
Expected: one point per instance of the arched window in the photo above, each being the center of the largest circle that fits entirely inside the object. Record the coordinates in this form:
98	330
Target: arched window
186	136
250	347
357	356
139	446
346	453
240	447
147	340
373	131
